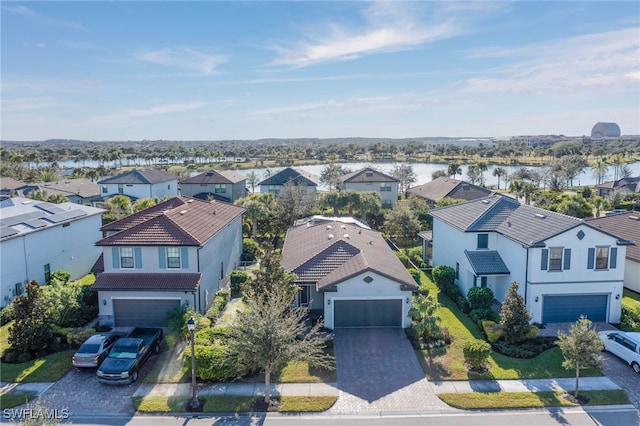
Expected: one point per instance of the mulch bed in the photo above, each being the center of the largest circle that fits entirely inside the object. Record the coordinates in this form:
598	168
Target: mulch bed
580	400
272	407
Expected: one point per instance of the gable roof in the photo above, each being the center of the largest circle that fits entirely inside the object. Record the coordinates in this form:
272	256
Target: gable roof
297	176
631	184
627	225
367	174
147	176
444	186
215	176
82	187
144	215
529	226
327	254
191	223
147	281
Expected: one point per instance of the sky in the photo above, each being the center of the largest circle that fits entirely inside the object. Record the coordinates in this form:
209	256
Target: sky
214	70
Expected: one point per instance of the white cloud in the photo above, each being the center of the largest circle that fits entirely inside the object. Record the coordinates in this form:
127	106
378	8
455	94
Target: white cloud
28	104
153	111
184	58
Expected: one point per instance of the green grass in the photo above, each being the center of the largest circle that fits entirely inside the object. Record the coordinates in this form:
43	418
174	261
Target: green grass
448	363
301	372
231	404
46	369
630	298
11	400
306	404
490	400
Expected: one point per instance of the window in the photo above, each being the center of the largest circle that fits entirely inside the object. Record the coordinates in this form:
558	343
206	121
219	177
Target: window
104	189
555	258
602	257
173	257
483	282
47	273
304	295
483	241
386	203
220	188
275	189
64	225
126	258
457	271
385	187
120	189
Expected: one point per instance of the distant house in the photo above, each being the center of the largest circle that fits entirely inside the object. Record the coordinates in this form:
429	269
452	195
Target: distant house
78	191
369	179
9	186
38	238
348	273
298	177
565	267
443	186
626	225
625	186
222	185
178	252
149	183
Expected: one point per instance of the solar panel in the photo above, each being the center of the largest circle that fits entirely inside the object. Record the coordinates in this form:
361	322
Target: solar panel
67	215
35	223
6	231
50	208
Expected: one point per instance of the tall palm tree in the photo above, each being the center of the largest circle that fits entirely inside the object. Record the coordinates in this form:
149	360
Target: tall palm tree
454	169
499	172
120	205
253	178
600	169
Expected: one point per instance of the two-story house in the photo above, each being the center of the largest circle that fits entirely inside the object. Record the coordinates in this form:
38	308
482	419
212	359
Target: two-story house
135	184
78	191
444	186
624	186
369	179
222	185
38	238
178	252
290	175
565	267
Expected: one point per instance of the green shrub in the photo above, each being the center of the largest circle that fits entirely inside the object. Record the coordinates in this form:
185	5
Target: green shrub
238	277
415	274
6	314
443	276
204	336
492	330
250	250
479	315
526	349
212	362
404	259
476	353
480	298
630	318
24	357
463	304
218	305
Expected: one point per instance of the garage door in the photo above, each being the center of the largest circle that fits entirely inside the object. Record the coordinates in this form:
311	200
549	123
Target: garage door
142	312
569	308
368	313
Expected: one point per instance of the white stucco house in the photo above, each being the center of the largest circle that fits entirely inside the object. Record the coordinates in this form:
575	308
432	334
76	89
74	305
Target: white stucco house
135	184
221	185
178	252
38	238
565	267
347	272
369	179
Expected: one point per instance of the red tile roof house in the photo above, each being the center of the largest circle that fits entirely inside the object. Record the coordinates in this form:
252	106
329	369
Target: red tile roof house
179	252
627	225
369	179
349	273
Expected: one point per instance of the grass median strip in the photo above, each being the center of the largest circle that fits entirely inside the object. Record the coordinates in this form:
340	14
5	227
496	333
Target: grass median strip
50	368
11	400
231	404
490	400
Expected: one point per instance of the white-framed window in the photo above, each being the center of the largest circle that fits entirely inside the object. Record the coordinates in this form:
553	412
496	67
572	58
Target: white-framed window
385	187
555	258
220	188
173	258
126	258
386	203
602	257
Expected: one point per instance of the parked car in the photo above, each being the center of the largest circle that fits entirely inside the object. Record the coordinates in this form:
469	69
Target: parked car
624	345
94	350
128	355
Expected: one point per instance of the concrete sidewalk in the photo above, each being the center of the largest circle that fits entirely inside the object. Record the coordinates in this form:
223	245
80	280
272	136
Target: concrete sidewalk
532	385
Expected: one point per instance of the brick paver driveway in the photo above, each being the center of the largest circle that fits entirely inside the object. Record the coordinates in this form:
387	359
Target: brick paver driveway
377	371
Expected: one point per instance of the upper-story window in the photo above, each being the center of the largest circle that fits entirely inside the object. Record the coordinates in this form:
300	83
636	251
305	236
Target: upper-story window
385	187
220	188
602	257
104	189
120	189
173	257
555	258
483	241
126	258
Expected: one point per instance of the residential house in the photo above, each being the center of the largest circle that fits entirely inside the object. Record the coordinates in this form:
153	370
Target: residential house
565	267
222	185
369	179
349	273
627	225
135	184
38	238
624	186
298	177
178	252
9	186
443	186
78	191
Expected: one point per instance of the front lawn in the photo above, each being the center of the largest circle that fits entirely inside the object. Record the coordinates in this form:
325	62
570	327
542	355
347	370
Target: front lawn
232	404
46	369
631	299
448	363
493	400
11	400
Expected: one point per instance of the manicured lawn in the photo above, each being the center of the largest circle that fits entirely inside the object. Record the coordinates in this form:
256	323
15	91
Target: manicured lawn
46	369
14	399
630	298
301	372
448	363
490	400
307	404
231	404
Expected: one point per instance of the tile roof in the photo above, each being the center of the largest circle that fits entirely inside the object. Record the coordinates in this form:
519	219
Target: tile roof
444	186
9	183
627	225
486	262
631	184
367	175
84	188
297	176
191	223
147	281
98	266
147	176
215	176
332	252
144	215
527	225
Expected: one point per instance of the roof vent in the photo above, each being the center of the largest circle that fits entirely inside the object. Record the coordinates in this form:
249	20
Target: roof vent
540	215
183	212
634	217
190	200
485	201
330	236
343	227
329	227
346	236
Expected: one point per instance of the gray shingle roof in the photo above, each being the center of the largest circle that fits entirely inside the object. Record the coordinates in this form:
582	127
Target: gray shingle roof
215	176
367	175
297	176
148	176
486	262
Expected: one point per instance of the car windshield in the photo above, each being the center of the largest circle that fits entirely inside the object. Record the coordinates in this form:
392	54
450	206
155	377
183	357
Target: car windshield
89	348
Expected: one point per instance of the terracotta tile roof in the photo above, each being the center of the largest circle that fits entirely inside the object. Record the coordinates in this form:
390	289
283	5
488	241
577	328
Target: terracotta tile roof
147	176
157	281
215	176
626	225
297	176
98	267
191	223
144	215
330	253
367	175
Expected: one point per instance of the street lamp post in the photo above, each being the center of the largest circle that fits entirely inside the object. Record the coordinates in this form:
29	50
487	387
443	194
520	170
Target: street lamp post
191	325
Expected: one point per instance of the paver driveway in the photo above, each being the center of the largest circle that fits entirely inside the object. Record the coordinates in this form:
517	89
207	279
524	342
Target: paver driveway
377	371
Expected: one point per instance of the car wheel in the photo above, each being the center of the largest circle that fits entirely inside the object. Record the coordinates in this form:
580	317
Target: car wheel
156	348
636	367
134	376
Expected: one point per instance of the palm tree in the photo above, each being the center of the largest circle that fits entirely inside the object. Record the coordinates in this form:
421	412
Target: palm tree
253	178
454	169
256	211
120	205
515	187
40	195
600	170
499	172
423	312
57	199
144	203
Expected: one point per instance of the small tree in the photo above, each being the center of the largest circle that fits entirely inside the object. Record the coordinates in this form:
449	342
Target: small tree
270	275
580	348
423	312
30	333
476	353
514	316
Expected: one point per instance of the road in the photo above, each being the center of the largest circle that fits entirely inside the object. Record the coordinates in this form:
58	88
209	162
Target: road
614	416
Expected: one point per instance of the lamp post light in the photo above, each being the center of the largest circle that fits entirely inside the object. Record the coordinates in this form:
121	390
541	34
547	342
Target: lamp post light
191	325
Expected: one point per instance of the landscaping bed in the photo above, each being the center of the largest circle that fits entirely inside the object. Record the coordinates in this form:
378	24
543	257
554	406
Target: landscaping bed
234	404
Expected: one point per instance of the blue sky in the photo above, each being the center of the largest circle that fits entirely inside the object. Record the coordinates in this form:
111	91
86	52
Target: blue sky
207	70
